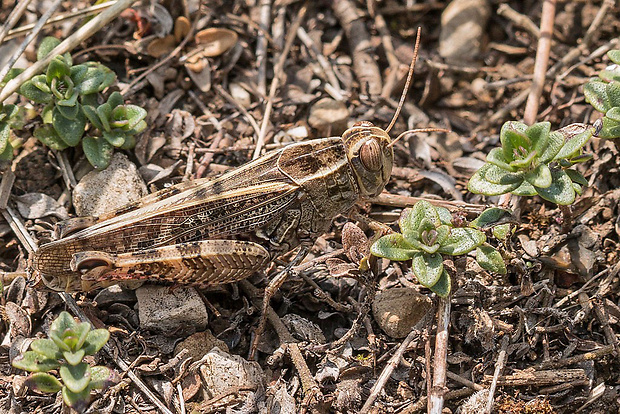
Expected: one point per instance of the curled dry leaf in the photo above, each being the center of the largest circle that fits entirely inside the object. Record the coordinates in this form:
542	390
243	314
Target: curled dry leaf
199	71
355	242
159	47
181	28
216	40
37	205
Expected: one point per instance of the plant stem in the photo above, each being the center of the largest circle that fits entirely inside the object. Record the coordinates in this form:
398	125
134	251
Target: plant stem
438	390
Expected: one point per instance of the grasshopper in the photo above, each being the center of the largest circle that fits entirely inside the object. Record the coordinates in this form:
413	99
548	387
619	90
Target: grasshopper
219	230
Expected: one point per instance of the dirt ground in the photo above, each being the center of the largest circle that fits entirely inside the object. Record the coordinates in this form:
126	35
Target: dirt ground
547	330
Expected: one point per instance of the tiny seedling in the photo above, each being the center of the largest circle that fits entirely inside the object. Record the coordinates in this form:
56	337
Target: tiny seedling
429	233
67	344
603	93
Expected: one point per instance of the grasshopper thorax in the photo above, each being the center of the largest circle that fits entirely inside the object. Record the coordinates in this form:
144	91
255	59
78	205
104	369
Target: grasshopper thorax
370	155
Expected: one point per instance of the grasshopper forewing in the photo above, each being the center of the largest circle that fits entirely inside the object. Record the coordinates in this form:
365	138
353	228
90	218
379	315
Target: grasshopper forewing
215	231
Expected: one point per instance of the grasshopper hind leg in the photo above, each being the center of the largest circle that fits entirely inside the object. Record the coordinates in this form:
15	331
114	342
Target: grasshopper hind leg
202	263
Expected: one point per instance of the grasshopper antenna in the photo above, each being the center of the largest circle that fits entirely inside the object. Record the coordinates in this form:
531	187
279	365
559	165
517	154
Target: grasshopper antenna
404	95
408	82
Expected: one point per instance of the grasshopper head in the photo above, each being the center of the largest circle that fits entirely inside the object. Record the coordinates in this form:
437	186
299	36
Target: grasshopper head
370	155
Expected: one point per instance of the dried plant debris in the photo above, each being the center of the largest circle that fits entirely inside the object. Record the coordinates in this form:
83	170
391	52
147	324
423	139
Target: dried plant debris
184	90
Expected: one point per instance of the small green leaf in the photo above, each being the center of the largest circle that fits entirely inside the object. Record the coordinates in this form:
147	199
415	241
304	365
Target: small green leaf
105	112
443	286
540	176
42	382
116	99
134	114
613	93
496	157
74	358
614	114
539	134
97	78
479	185
496	175
5	134
462	240
444	215
34	362
578	188
614	56
501	231
596	95
78	401
554	145
95	340
47	348
412	219
491	217
48	136
92	116
393	247
7	154
57	69
30	91
75	377
130	142
522	163
609	75
138	128
115	137
98	151
574	144
525	189
69	130
490	259
427	268
610	129
47	45
69	112
561	190
513	137
577	177
103	377
64	322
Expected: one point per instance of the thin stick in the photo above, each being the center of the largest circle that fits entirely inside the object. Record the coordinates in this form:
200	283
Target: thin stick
260	142
436	397
60	18
35	31
13	18
542	61
261	45
499	367
67	45
408	82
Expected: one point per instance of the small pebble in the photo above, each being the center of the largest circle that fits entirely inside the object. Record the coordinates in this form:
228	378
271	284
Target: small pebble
397	310
166	309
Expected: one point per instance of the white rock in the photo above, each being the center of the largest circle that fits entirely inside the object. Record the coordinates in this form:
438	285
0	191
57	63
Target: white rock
166	309
102	191
223	372
463	24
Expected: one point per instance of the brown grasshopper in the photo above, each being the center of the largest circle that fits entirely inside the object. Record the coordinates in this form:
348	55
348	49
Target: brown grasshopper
215	231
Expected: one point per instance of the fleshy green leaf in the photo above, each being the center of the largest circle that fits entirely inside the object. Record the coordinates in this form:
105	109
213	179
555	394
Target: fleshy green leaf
130	141
48	136
443	286
92	116
57	69
491	217
7	154
577	177
95	340
490	259
610	129
479	185
412	219
539	134
98	151
501	231
462	240
614	56
614	114
497	175
134	115
34	362
574	144
30	91
554	145
444	215
97	78
69	112
613	93
525	189
115	137
42	382
393	247
496	157
609	75
139	127
46	347
74	358
75	377
561	190
77	401
5	134
524	162
102	377
69	130
427	268
104	111
47	45
540	176
512	136
596	95
116	99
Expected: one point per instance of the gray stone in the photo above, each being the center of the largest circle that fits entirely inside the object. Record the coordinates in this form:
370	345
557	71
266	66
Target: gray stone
463	24
166	309
397	310
329	117
114	294
102	191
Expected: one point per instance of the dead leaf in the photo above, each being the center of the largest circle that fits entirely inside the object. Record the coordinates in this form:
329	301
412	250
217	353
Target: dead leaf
216	40
37	205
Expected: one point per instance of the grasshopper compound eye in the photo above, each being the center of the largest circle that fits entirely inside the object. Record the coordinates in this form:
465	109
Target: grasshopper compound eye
371	155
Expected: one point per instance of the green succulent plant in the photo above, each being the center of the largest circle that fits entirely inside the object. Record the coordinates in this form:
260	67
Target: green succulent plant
67	344
535	160
118	123
10	117
427	234
603	93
